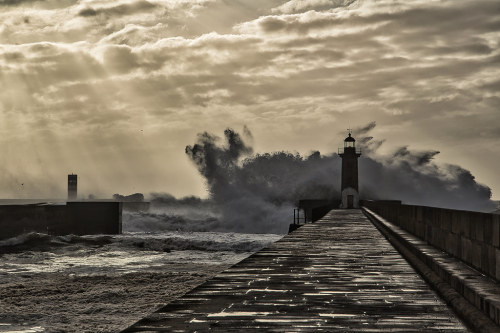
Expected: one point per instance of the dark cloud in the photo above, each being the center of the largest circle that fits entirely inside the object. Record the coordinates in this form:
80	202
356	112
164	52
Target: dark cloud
45	4
493	86
120	9
16	2
365	129
297	6
88	12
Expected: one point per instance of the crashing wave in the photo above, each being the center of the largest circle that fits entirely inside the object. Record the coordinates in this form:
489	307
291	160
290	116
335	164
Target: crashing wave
162	242
162	221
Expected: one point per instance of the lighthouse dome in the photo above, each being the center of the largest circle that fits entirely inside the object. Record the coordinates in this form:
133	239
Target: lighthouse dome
349	142
349	138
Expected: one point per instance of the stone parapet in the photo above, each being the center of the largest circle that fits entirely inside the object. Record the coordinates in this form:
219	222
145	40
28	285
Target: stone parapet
472	237
473	295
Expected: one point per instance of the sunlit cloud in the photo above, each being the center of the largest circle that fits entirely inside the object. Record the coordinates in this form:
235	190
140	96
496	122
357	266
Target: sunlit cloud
130	71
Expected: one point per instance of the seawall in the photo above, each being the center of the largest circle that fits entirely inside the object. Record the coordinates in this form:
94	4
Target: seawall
472	237
456	251
79	218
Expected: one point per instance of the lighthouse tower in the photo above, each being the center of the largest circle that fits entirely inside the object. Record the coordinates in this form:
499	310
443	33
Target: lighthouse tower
349	186
72	187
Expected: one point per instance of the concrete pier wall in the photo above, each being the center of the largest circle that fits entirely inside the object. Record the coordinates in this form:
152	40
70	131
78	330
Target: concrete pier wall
79	218
315	209
472	237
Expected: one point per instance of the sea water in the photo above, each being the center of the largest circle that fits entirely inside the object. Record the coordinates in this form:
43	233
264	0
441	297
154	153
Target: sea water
157	249
126	253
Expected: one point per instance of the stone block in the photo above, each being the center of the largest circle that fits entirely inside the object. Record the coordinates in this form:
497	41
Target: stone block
479	225
488	230
427	215
435	237
495	231
420	230
491	261
446	221
436	221
440	239
458	246
456	284
497	264
418	213
476	255
466	254
439	220
485	263
428	233
464	225
448	243
455	223
469	294
467	229
431	235
491	311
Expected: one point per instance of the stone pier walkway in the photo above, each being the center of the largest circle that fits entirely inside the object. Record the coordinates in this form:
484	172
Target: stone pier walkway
336	275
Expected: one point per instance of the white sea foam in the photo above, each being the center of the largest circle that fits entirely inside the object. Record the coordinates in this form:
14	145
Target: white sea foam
126	253
23	239
8	328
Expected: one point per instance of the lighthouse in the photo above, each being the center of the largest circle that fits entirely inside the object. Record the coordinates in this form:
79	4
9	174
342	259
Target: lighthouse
349	186
72	187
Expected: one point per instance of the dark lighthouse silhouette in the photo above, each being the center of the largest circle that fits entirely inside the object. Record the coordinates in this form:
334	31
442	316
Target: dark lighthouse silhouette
349	186
72	187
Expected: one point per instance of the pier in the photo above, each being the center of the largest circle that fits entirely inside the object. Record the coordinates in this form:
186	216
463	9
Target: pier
339	274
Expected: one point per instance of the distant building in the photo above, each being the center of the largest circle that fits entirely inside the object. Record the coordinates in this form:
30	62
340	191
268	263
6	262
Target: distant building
349	186
72	187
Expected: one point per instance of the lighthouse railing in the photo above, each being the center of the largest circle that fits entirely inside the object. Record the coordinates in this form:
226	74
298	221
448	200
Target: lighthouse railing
296	216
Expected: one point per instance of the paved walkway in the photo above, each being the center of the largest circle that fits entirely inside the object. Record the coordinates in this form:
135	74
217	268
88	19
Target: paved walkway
336	275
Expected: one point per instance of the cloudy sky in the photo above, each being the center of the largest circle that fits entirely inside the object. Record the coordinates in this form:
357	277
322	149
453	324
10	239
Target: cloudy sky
115	90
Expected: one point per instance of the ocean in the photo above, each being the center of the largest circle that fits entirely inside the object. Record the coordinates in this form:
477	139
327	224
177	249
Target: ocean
105	283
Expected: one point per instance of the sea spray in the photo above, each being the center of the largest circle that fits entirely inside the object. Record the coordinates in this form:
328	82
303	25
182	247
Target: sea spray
256	192
414	178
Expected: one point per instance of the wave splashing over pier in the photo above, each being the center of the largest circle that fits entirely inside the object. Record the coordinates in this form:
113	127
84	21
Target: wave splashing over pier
256	192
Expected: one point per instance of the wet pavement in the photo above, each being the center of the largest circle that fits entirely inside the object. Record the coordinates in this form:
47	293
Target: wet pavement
336	275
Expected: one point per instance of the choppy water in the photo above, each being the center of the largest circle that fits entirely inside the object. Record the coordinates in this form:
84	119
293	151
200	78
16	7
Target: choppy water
150	244
126	253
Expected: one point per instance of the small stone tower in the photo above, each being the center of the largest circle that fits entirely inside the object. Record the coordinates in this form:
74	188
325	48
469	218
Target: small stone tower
72	187
349	186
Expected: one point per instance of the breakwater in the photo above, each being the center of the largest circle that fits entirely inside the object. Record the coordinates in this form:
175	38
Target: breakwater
456	251
338	274
472	237
78	218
